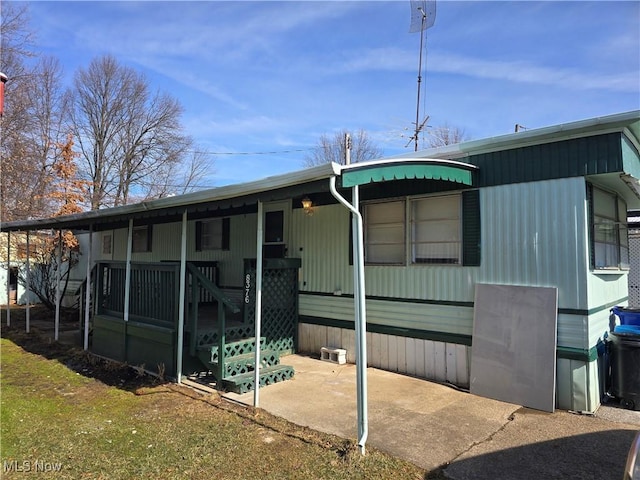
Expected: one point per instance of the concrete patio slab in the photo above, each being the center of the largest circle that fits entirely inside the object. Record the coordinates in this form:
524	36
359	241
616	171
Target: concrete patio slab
433	425
423	422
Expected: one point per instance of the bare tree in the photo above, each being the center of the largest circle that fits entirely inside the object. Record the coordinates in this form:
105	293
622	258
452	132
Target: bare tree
332	149
446	135
130	139
32	122
178	179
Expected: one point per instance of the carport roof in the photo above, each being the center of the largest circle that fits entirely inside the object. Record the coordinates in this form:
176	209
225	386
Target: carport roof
246	194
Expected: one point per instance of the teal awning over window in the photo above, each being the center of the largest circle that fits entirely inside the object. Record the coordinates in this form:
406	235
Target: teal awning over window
407	171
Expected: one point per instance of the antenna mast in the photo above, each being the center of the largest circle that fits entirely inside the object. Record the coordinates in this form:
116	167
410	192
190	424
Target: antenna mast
423	16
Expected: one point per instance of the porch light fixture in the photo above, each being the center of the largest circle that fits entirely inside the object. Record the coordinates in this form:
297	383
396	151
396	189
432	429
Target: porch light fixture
307	206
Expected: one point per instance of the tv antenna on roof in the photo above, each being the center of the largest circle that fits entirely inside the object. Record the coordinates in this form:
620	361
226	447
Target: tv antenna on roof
423	16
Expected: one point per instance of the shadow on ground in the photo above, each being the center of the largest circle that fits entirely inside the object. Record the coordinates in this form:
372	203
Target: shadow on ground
598	455
39	341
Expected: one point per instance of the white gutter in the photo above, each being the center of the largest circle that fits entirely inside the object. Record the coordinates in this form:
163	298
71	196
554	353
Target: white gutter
361	314
258	312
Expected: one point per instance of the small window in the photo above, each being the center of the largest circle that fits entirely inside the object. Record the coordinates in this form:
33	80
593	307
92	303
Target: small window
385	233
107	244
436	230
610	245
212	234
141	239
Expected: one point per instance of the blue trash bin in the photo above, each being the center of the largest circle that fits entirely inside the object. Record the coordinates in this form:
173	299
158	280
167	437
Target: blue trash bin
627	316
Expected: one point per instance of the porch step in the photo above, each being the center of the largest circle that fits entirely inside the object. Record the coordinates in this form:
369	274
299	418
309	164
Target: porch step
209	353
245	362
244	383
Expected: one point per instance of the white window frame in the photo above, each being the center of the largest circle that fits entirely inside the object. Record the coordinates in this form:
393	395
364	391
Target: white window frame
407	244
378	235
610	241
446	248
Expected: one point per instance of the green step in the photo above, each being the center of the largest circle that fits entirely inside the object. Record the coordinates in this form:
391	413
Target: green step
269	375
209	353
245	363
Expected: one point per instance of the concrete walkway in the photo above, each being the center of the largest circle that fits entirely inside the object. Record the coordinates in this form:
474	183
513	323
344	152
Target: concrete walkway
433	426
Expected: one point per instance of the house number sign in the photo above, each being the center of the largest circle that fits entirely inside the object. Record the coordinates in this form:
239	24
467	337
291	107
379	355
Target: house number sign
247	287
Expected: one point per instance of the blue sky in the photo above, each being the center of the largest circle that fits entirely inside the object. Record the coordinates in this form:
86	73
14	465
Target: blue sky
271	76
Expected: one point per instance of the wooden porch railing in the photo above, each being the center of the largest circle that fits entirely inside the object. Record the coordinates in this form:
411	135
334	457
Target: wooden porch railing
200	281
154	292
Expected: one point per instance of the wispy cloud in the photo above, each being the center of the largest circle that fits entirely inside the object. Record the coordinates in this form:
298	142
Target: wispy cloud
527	72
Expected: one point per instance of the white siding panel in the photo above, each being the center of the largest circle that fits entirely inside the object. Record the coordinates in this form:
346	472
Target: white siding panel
420	355
534	235
402	353
334	339
451	363
393	352
384	352
430	359
411	359
440	363
166	246
374	353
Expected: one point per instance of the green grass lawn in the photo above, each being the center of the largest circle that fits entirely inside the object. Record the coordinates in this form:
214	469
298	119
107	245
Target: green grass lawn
59	419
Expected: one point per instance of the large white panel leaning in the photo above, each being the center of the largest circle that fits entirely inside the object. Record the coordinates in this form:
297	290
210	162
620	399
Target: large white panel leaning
513	355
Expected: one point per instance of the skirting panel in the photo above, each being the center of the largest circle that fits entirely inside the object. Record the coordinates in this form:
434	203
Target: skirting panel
580	385
432	360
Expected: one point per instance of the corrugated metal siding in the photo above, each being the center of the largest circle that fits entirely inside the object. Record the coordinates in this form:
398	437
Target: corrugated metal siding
570	158
439	318
535	234
440	361
167	244
532	234
321	241
630	158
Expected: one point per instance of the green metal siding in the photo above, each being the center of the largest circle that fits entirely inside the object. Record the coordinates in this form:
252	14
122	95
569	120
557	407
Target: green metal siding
471	228
569	158
630	157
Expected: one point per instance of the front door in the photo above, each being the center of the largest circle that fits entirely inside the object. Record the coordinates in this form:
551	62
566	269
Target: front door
276	228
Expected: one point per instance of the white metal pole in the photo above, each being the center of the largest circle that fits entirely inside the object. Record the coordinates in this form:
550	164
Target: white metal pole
183	292
258	314
127	275
8	279
28	288
87	293
56	332
361	316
